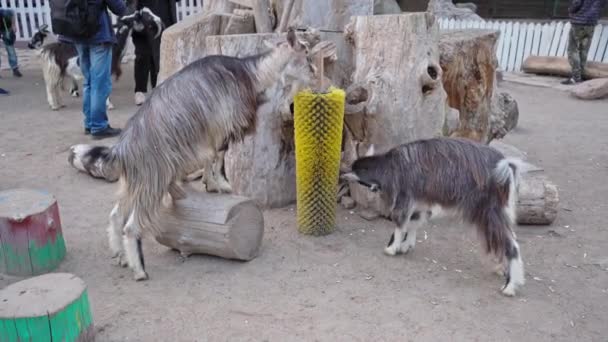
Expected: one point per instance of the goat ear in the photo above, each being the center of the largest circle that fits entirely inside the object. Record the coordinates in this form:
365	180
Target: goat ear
370	151
350	177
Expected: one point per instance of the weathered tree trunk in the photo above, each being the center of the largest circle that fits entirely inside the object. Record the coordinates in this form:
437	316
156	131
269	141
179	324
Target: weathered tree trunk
263	16
394	102
227	226
50	307
447	9
324	15
240	22
468	60
386	7
184	42
561	67
262	167
31	238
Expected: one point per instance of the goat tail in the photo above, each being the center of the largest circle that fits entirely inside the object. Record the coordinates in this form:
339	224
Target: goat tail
97	161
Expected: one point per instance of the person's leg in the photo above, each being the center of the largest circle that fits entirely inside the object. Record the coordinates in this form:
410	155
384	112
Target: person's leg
585	43
155	60
574	55
101	85
12	60
84	56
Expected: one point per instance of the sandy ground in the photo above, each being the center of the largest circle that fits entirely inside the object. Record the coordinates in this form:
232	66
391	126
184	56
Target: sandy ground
340	287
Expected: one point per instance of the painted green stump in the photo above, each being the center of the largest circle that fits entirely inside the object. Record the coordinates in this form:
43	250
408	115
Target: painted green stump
50	307
31	240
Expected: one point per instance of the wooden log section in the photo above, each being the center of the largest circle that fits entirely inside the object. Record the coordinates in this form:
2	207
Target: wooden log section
31	239
560	66
50	307
227	226
538	200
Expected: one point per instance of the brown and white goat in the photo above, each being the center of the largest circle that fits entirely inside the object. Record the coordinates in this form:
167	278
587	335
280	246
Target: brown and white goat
420	179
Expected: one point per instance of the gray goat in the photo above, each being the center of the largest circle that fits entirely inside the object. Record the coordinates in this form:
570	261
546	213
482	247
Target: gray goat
420	179
186	122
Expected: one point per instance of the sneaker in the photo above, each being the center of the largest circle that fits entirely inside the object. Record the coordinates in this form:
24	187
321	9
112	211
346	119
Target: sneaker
140	98
569	81
109	132
4	92
17	73
87	131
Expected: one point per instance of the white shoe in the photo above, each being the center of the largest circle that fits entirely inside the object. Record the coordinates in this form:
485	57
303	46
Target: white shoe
140	98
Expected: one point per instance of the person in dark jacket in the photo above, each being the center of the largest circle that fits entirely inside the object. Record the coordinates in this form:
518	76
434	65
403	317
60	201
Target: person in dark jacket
95	56
8	30
584	15
147	50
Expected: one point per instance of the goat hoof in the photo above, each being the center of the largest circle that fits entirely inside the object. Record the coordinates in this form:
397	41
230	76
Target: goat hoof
140	276
392	251
509	291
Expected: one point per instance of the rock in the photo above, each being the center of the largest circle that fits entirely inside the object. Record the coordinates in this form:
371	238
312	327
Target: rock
347	202
369	214
446	9
504	116
468	5
591	90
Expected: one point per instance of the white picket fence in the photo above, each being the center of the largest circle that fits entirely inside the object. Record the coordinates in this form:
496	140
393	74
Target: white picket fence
518	40
33	13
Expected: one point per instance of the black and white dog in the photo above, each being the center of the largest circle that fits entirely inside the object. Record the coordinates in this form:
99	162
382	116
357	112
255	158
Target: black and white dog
60	60
473	181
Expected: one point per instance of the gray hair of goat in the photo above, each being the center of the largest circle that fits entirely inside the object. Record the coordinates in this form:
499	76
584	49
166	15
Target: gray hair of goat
186	120
472	179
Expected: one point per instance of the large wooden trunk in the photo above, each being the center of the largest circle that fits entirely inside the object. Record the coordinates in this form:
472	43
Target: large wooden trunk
561	67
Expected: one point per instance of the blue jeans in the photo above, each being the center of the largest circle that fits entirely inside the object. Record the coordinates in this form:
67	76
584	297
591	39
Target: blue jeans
96	65
12	56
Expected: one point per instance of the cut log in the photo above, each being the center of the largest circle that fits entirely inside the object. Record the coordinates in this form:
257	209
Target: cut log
403	101
263	16
31	239
227	226
50	307
559	66
538	200
468	60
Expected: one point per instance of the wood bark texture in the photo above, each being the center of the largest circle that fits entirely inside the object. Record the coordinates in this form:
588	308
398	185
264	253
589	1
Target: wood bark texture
263	16
227	226
538	200
468	60
560	66
50	307
331	15
31	238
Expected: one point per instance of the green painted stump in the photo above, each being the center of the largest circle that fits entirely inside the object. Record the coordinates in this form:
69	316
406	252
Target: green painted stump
50	307
31	240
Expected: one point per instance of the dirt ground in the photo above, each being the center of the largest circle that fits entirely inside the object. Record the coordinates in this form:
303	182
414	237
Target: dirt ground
340	287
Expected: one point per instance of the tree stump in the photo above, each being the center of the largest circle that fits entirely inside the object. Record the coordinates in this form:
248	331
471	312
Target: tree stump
468	60
31	239
50	307
223	225
559	66
391	101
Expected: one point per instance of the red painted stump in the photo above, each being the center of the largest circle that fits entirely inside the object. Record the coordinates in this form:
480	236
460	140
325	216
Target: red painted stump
31	240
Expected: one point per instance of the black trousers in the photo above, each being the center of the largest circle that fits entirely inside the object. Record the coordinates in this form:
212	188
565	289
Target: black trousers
147	61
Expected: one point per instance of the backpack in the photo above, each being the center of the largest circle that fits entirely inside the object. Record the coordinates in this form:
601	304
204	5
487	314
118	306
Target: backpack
75	18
